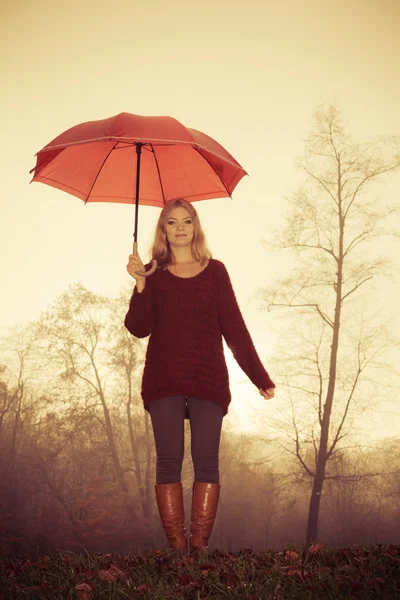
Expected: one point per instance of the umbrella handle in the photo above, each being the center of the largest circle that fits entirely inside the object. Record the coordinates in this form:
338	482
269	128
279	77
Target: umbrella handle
153	265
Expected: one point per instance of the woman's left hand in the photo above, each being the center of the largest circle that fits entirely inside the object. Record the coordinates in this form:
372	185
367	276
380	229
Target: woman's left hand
267	394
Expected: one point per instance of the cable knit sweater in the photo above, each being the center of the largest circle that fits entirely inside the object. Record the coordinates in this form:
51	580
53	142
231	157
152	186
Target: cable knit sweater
186	318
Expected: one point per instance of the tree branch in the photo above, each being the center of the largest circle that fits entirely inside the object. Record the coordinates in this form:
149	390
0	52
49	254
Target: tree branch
322	184
361	476
317	308
313	246
356	287
369	177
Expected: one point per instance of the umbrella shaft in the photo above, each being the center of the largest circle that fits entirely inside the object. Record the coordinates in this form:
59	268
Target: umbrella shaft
138	155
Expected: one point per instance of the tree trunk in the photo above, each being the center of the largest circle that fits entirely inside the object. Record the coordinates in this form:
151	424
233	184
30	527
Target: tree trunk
313	512
136	462
10	472
117	465
322	458
131	505
149	464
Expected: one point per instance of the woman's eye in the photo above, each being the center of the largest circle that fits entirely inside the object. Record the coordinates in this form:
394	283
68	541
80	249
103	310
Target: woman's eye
173	222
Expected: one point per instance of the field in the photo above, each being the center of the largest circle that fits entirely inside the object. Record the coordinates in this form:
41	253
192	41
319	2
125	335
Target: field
322	573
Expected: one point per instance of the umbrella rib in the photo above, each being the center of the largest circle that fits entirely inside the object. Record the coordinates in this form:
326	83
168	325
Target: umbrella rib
109	138
159	173
99	171
223	183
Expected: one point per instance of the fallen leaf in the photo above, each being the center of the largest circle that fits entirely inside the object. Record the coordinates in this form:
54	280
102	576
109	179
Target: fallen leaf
186	581
112	574
315	548
155	552
83	591
296	572
117	572
207	566
291	556
143	588
106	575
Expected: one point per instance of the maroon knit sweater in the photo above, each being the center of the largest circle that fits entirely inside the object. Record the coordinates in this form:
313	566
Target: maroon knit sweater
186	318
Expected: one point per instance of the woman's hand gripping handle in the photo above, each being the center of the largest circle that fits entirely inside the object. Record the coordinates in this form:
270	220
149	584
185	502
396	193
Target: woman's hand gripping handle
135	266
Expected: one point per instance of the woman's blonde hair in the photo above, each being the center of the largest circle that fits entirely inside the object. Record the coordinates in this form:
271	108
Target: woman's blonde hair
161	250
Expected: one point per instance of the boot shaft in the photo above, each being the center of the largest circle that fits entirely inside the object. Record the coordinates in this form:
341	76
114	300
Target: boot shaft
204	509
169	498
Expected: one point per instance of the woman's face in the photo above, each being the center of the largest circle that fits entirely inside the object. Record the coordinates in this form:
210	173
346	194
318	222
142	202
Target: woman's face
179	227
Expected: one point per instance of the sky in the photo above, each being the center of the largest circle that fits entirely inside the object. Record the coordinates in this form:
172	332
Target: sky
248	74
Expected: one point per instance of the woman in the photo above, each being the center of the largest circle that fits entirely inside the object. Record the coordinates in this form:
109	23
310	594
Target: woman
187	306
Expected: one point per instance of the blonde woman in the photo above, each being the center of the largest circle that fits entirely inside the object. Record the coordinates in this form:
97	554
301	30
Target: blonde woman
187	307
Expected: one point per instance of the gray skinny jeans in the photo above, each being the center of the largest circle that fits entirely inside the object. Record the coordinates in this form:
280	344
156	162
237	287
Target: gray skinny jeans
168	420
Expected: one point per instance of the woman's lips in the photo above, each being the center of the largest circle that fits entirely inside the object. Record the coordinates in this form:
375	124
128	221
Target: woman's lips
181	235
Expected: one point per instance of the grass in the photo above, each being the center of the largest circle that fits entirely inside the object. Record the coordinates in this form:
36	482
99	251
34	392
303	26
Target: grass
322	573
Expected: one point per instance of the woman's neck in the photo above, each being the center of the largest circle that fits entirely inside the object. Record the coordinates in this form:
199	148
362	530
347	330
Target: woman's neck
183	258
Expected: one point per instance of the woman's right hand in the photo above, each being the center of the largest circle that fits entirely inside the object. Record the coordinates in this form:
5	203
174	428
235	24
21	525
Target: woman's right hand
135	264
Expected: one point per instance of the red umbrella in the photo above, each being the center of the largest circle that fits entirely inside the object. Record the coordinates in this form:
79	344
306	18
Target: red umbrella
130	158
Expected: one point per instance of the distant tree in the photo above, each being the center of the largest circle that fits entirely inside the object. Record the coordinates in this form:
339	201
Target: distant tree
74	337
126	358
19	407
332	359
254	515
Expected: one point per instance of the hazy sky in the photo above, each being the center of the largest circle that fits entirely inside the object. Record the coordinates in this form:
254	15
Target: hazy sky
248	74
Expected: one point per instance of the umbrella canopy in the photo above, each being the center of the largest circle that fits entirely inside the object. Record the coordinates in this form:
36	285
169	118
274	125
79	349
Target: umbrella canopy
97	162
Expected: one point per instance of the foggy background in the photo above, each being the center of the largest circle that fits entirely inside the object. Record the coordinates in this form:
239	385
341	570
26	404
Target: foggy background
77	462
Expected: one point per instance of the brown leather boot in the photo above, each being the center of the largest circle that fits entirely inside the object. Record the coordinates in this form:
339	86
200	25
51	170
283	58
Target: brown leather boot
170	506
204	509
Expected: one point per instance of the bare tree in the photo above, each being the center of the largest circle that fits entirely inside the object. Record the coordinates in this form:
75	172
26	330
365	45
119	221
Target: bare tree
19	405
74	335
126	358
16	397
334	341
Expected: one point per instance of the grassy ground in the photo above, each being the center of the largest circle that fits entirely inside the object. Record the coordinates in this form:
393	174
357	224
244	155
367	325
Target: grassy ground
371	572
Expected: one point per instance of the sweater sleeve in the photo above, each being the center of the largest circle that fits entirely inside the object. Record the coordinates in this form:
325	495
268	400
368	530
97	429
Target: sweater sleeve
237	336
140	318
